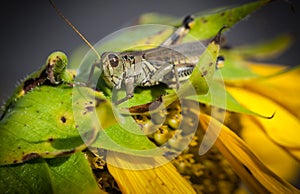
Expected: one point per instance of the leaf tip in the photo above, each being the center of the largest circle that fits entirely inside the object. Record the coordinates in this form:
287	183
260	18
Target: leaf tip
217	38
268	117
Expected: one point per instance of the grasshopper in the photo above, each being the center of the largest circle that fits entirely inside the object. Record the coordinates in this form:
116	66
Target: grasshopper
170	63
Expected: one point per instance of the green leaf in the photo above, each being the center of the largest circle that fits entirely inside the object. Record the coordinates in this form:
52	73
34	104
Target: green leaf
41	123
237	58
58	175
207	24
45	123
235	68
143	95
264	50
72	175
238	71
31	177
127	137
116	132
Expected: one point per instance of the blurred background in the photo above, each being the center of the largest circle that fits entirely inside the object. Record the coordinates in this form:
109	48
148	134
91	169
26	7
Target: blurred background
31	29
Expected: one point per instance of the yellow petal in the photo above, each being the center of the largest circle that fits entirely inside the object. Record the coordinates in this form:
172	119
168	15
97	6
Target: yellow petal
265	69
251	170
161	179
284	88
267	151
283	128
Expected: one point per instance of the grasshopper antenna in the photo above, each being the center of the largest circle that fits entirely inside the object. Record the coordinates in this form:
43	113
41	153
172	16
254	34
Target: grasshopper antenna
73	27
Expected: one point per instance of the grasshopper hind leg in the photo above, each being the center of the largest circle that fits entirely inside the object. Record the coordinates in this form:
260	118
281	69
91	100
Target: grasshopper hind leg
176	38
180	33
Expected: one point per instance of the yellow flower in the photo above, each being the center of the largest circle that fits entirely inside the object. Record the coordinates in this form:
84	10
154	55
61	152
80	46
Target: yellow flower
276	140
265	157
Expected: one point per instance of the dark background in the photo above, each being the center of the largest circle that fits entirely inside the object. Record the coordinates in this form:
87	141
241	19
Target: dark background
31	29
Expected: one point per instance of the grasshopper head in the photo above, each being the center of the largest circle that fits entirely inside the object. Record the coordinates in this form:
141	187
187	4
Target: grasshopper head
113	69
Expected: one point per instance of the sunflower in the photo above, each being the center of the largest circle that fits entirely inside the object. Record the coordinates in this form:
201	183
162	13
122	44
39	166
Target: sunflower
257	146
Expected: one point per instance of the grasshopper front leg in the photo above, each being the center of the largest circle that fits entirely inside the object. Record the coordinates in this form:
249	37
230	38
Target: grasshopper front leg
129	82
90	78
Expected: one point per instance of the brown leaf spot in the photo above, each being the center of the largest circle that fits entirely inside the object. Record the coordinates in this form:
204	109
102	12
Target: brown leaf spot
66	153
99	101
50	139
31	83
30	156
204	20
145	107
63	119
89	109
204	73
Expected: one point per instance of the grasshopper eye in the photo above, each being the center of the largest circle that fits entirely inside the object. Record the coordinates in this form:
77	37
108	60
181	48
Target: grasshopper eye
113	60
